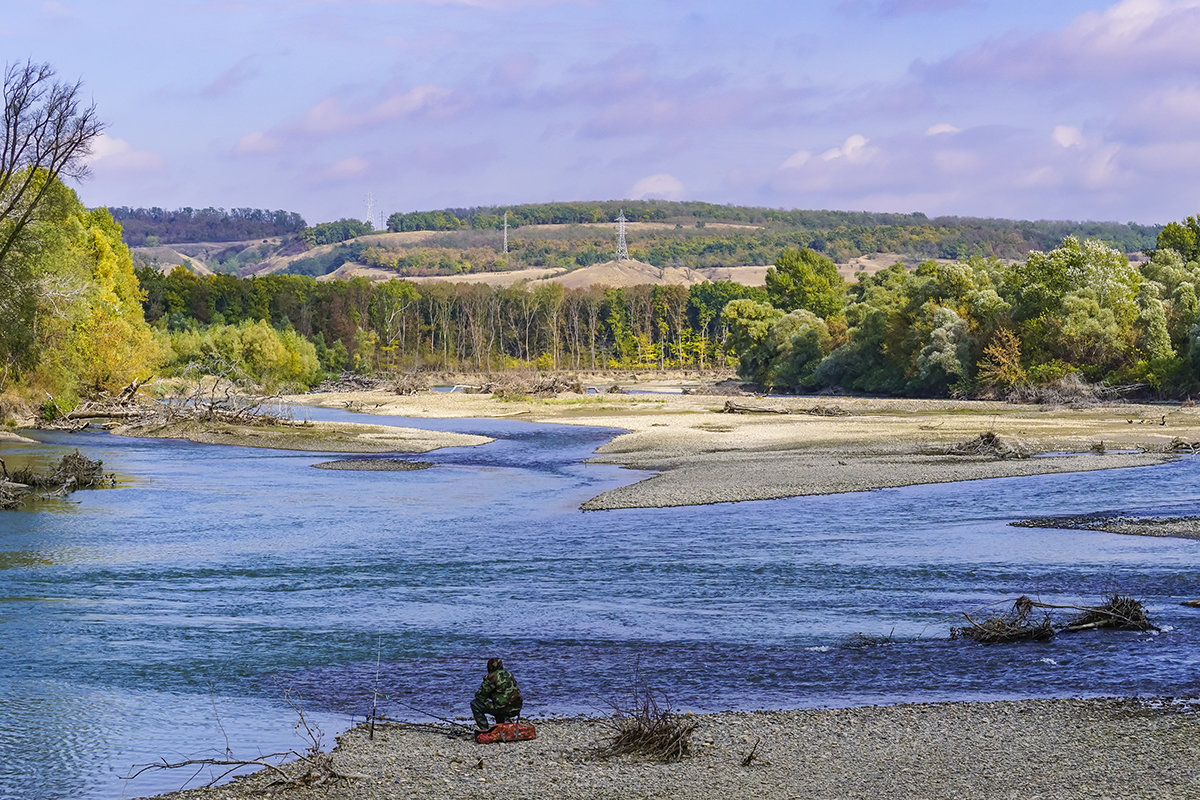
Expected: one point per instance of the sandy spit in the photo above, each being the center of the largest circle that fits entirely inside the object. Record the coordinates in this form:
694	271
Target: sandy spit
319	437
1096	748
700	454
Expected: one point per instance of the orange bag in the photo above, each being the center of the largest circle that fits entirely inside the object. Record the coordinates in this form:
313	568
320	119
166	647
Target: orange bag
506	732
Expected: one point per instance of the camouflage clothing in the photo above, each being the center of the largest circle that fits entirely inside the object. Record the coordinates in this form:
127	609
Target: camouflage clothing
498	696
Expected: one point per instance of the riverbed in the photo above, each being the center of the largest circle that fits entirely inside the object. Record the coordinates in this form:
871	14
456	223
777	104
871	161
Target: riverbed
175	615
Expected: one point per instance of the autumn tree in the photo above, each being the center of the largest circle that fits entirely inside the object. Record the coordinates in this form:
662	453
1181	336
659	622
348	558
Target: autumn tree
47	134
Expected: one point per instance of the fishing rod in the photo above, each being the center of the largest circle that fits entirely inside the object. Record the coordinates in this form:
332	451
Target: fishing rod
435	716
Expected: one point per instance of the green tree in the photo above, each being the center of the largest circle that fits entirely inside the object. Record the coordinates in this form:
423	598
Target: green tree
808	280
47	133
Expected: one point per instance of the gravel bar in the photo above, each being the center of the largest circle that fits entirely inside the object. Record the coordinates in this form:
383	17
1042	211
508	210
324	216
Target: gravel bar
1094	748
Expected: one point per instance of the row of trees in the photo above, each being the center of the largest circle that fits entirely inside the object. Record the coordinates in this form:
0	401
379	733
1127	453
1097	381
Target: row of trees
977	326
858	231
151	226
398	324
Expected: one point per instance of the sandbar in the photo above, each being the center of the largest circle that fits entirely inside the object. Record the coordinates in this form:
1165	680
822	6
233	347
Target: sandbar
700	454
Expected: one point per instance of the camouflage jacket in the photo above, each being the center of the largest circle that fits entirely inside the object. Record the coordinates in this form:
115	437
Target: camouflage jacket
499	689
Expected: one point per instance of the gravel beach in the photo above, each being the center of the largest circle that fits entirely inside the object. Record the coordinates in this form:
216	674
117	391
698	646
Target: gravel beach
1096	748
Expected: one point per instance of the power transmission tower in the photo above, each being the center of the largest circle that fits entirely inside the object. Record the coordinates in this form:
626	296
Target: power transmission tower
506	231
370	210
622	248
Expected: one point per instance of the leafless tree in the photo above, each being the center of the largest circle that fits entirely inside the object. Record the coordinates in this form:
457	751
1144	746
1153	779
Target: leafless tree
48	133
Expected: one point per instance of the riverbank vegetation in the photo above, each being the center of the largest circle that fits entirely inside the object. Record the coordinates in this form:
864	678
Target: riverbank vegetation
980	327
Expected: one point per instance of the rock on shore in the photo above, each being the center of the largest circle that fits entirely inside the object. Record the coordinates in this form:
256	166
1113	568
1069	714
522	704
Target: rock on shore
1018	749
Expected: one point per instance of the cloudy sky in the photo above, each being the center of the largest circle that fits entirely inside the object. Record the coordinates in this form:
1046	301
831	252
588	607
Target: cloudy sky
1070	109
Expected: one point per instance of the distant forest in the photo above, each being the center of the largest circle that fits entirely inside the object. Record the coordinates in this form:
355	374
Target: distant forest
839	234
689	234
146	227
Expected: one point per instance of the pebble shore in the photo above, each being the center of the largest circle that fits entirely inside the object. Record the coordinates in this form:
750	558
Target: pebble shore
1094	748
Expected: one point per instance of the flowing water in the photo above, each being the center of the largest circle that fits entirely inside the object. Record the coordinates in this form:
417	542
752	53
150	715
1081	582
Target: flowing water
187	610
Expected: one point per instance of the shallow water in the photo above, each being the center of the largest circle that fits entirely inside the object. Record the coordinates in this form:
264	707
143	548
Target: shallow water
172	614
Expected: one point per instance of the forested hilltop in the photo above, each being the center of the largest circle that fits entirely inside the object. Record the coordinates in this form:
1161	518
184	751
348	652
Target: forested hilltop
569	236
151	226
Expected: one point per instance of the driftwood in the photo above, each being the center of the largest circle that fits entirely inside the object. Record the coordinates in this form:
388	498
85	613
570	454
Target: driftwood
737	408
310	768
1072	391
647	728
989	444
1018	625
828	411
1022	625
74	471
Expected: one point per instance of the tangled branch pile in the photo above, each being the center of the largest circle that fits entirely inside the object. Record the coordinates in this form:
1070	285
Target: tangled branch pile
827	411
649	730
989	444
1070	391
1120	613
349	382
74	471
409	384
515	386
1021	624
125	404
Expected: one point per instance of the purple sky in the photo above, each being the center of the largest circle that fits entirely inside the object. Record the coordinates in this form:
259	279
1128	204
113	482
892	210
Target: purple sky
1071	109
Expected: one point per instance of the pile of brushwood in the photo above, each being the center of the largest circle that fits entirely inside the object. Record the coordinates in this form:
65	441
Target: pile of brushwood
1072	391
647	728
74	471
988	444
349	382
1030	621
514	386
123	405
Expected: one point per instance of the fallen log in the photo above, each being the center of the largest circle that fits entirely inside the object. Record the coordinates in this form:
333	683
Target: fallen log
737	408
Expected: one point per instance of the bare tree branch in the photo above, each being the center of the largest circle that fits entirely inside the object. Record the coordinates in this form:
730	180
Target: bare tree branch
48	133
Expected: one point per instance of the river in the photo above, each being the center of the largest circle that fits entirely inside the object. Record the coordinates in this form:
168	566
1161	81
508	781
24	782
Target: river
182	612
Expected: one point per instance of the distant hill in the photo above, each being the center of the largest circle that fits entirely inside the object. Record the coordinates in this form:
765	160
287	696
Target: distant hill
678	242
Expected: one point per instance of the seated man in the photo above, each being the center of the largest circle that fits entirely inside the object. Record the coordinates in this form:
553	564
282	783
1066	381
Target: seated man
498	696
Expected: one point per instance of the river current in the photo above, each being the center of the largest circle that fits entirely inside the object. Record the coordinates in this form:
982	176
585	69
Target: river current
181	613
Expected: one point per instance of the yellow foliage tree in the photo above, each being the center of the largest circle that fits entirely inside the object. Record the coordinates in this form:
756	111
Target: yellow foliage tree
92	335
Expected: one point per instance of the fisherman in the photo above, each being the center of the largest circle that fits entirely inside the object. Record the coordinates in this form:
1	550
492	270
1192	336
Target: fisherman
498	696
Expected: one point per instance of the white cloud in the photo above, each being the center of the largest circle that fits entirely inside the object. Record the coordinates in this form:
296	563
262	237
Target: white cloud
855	150
331	115
1068	136
661	186
346	169
257	143
796	160
112	155
941	128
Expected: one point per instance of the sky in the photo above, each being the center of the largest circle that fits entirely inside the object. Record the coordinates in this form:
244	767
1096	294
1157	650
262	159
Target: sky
1026	109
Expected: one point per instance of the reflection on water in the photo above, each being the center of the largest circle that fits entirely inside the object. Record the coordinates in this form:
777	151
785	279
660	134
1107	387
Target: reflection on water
150	619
